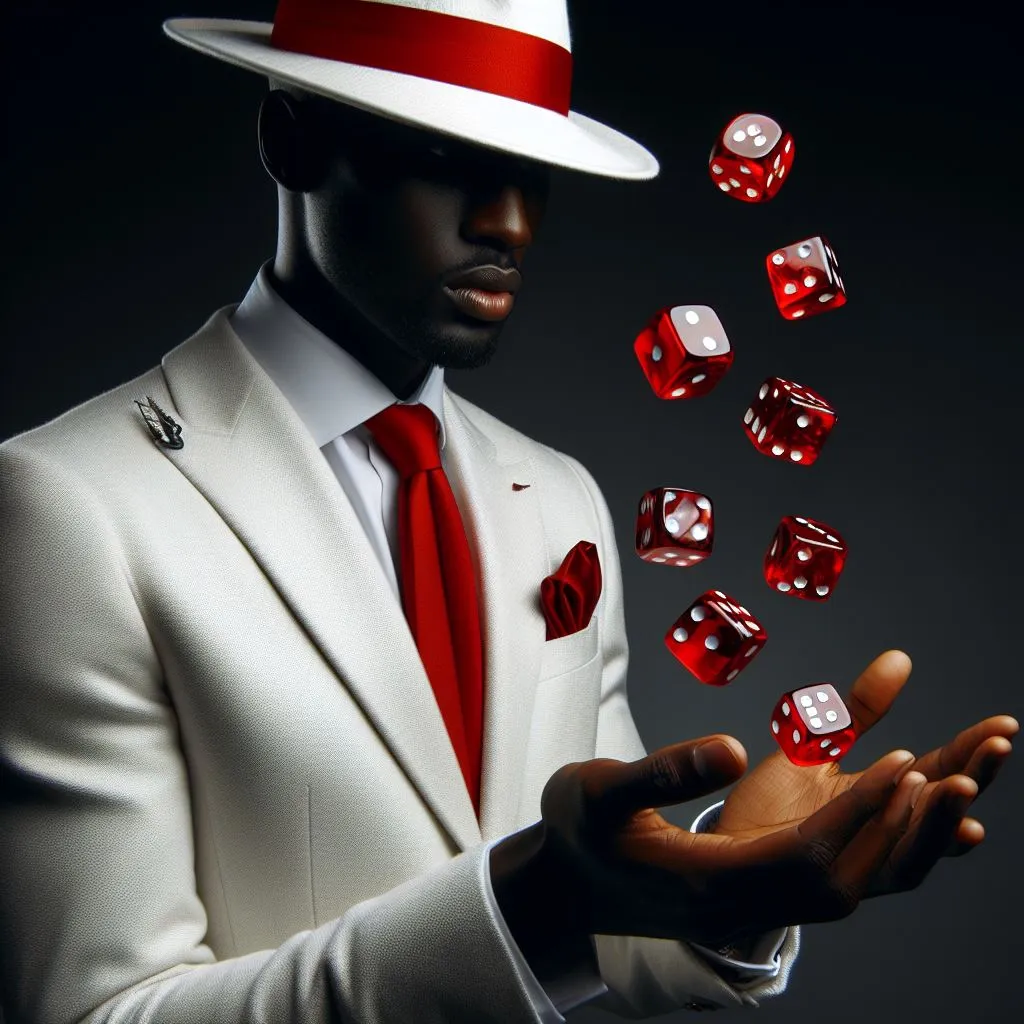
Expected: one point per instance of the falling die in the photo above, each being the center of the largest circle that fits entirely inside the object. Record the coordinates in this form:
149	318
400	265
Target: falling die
751	158
674	526
715	638
683	351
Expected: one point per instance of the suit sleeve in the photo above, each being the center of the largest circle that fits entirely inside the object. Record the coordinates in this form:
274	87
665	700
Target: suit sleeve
647	976
100	918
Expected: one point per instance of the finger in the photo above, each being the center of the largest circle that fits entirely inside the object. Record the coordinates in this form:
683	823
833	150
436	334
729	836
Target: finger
987	760
937	825
955	755
869	850
876	688
971	833
826	833
671	775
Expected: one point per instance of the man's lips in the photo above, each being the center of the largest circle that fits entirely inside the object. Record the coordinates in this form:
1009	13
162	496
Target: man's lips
487	293
487	278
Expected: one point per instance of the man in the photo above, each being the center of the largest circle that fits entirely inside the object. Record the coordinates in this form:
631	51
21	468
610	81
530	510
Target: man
259	763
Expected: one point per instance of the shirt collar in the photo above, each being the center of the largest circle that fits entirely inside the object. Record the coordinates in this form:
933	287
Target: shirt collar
331	391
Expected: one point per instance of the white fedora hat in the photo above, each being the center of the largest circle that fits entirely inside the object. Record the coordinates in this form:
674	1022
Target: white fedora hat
493	72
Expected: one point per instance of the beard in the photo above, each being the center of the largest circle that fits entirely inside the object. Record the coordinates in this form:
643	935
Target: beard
449	344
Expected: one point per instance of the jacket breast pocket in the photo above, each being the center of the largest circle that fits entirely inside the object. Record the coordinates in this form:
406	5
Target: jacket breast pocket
571	651
565	712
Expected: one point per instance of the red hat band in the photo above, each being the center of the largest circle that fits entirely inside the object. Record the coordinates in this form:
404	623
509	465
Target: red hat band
442	47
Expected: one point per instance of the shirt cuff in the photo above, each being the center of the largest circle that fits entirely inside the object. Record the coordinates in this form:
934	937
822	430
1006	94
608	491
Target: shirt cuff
708	818
763	959
577	986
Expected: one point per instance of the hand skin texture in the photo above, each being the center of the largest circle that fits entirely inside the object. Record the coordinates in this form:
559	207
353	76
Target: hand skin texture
792	845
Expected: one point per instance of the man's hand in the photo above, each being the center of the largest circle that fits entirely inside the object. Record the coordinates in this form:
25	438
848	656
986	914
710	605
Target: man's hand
631	872
778	795
793	845
602	860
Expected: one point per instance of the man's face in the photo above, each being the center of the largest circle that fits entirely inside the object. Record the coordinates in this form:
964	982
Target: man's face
401	212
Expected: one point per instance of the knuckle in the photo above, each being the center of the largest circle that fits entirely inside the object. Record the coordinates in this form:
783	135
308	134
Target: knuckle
563	796
834	897
592	785
664	774
556	783
819	853
594	801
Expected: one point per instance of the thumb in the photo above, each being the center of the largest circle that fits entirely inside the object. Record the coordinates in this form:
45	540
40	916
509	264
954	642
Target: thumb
670	775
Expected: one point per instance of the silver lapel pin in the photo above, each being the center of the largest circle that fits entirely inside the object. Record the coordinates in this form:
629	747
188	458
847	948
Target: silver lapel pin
166	432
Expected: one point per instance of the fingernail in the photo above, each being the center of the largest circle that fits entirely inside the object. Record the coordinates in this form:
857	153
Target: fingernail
704	755
701	756
904	763
917	782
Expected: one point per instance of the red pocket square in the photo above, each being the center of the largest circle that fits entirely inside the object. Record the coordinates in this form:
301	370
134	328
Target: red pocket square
569	596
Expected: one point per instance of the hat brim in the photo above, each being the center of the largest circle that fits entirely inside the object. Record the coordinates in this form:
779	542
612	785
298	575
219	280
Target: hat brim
575	142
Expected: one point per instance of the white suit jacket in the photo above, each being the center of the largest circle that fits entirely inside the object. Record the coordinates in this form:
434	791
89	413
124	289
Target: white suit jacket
227	793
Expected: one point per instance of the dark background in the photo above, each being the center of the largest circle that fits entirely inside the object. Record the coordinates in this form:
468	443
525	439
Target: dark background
136	205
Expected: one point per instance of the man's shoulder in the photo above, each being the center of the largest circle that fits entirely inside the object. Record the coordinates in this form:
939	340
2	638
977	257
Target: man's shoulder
103	423
109	429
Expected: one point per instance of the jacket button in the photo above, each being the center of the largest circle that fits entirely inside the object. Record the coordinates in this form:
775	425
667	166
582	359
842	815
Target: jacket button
700	1004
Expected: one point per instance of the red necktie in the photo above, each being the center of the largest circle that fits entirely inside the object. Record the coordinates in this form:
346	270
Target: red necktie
438	583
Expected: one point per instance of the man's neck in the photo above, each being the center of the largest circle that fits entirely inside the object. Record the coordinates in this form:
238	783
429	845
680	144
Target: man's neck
328	313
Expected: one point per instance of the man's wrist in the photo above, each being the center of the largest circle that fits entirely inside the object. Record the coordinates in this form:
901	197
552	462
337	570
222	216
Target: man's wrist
541	906
740	947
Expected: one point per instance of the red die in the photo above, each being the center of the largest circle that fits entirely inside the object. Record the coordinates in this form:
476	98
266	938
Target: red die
751	157
788	421
674	526
684	351
715	638
805	278
805	559
812	725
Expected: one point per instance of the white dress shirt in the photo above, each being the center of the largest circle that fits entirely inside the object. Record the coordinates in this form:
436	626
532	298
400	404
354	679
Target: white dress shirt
334	394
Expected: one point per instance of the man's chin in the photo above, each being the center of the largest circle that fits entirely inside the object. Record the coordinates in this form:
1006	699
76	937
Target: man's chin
456	348
459	360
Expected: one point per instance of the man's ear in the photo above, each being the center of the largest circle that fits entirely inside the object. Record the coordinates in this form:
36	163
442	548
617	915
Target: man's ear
291	147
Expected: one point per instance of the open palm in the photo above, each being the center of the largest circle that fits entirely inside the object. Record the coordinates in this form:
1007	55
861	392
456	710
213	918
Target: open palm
778	794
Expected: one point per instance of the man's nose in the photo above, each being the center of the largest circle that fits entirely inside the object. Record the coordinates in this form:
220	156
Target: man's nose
503	217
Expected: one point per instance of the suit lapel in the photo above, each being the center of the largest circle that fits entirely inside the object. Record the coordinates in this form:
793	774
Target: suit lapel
507	537
248	453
